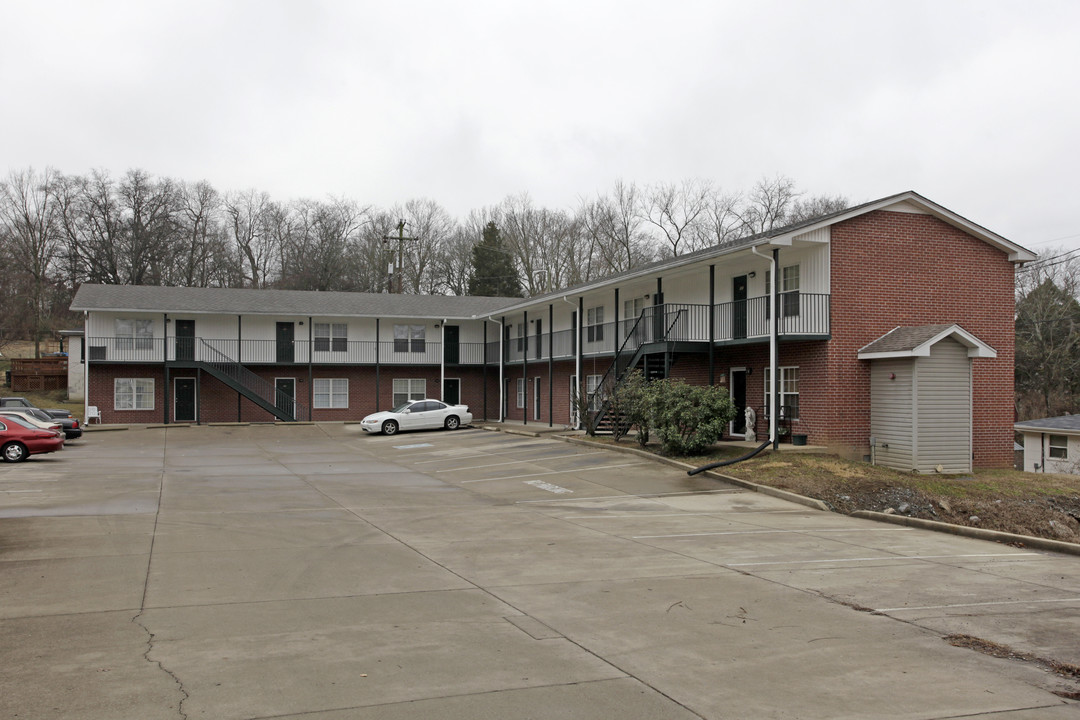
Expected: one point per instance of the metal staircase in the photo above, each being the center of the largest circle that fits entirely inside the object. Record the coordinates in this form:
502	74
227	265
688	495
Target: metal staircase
259	390
646	348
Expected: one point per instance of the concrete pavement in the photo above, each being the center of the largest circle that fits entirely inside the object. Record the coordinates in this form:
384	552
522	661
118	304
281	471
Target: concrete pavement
311	571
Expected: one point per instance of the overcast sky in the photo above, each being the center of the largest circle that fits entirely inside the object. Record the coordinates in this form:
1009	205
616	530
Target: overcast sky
973	104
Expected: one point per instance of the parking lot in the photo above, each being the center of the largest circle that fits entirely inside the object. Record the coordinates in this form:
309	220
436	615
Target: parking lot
312	571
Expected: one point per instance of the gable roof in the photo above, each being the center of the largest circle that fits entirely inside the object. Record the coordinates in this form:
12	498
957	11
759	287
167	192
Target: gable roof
904	342
780	237
1067	424
237	301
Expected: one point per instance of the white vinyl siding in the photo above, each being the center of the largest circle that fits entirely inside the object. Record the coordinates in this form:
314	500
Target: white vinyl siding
891	418
943	391
406	389
133	394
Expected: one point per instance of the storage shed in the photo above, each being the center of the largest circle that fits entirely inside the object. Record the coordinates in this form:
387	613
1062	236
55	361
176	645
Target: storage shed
921	399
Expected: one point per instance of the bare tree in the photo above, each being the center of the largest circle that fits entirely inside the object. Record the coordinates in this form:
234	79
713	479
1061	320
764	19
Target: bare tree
28	212
431	226
676	211
767	205
245	214
612	226
149	206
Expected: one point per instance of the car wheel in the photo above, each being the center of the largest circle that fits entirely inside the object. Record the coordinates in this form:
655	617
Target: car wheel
390	427
14	452
452	422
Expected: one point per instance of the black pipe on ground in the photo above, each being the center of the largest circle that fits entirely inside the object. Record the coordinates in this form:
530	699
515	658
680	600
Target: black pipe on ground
722	463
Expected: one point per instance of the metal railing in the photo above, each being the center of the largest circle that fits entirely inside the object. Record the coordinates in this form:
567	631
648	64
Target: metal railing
805	314
263	388
800	314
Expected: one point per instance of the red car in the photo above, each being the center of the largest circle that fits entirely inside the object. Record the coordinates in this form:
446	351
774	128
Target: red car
19	439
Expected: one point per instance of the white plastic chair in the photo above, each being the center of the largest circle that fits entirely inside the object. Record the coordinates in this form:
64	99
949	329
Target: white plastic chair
92	413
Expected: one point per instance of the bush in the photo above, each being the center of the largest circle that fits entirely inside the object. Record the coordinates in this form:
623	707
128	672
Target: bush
689	418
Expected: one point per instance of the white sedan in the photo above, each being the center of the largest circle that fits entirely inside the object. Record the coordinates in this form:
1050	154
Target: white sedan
418	415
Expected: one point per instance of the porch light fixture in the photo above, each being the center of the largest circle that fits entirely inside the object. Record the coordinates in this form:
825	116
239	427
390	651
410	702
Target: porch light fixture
753	274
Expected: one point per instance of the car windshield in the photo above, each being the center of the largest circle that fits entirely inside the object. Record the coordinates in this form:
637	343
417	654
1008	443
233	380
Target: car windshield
401	407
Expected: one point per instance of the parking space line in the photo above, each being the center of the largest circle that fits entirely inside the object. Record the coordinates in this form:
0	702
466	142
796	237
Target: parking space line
514	462
632	515
980	604
641	496
552	472
557	489
810	531
877	559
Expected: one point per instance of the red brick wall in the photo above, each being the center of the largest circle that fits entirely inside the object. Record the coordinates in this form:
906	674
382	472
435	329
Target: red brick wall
101	392
893	268
219	403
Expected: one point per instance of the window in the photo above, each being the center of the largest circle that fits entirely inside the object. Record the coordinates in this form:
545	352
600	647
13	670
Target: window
521	337
592	384
595	324
406	389
134	334
521	392
788	385
133	393
331	392
409	338
1059	447
331	336
789	291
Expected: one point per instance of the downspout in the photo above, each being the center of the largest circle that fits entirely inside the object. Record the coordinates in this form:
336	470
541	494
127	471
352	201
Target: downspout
712	326
311	370
502	363
525	367
1042	452
377	343
774	399
551	364
86	369
165	368
442	362
577	358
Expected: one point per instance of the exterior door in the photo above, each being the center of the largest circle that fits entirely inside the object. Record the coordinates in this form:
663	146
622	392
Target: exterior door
738	306
285	395
184	399
285	331
451	391
185	340
738	399
451	352
536	398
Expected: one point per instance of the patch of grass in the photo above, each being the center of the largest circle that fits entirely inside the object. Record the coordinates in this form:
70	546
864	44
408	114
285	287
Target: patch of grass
1044	505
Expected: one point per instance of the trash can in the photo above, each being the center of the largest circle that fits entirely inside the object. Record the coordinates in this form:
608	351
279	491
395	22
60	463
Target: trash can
798	439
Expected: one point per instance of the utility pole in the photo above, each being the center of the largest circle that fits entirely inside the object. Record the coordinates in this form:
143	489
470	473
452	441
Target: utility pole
401	241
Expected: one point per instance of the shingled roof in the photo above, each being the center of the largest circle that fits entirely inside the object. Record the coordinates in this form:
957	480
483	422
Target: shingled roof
1064	423
235	301
916	341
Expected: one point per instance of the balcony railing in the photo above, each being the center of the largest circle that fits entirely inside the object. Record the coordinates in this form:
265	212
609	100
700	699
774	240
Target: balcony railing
802	314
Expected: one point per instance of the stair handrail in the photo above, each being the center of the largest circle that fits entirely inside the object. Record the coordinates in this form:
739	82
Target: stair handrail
257	385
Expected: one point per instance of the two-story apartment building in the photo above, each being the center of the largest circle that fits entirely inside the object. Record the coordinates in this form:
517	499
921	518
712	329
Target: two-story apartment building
939	286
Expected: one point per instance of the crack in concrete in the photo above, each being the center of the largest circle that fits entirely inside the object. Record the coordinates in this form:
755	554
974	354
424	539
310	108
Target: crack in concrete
184	694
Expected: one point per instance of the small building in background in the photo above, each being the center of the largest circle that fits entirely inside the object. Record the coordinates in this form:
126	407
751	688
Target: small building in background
1051	444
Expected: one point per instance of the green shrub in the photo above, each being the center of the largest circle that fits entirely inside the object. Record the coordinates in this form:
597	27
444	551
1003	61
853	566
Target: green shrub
688	418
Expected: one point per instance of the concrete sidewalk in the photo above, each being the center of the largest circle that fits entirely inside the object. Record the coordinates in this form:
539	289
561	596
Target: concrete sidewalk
313	571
